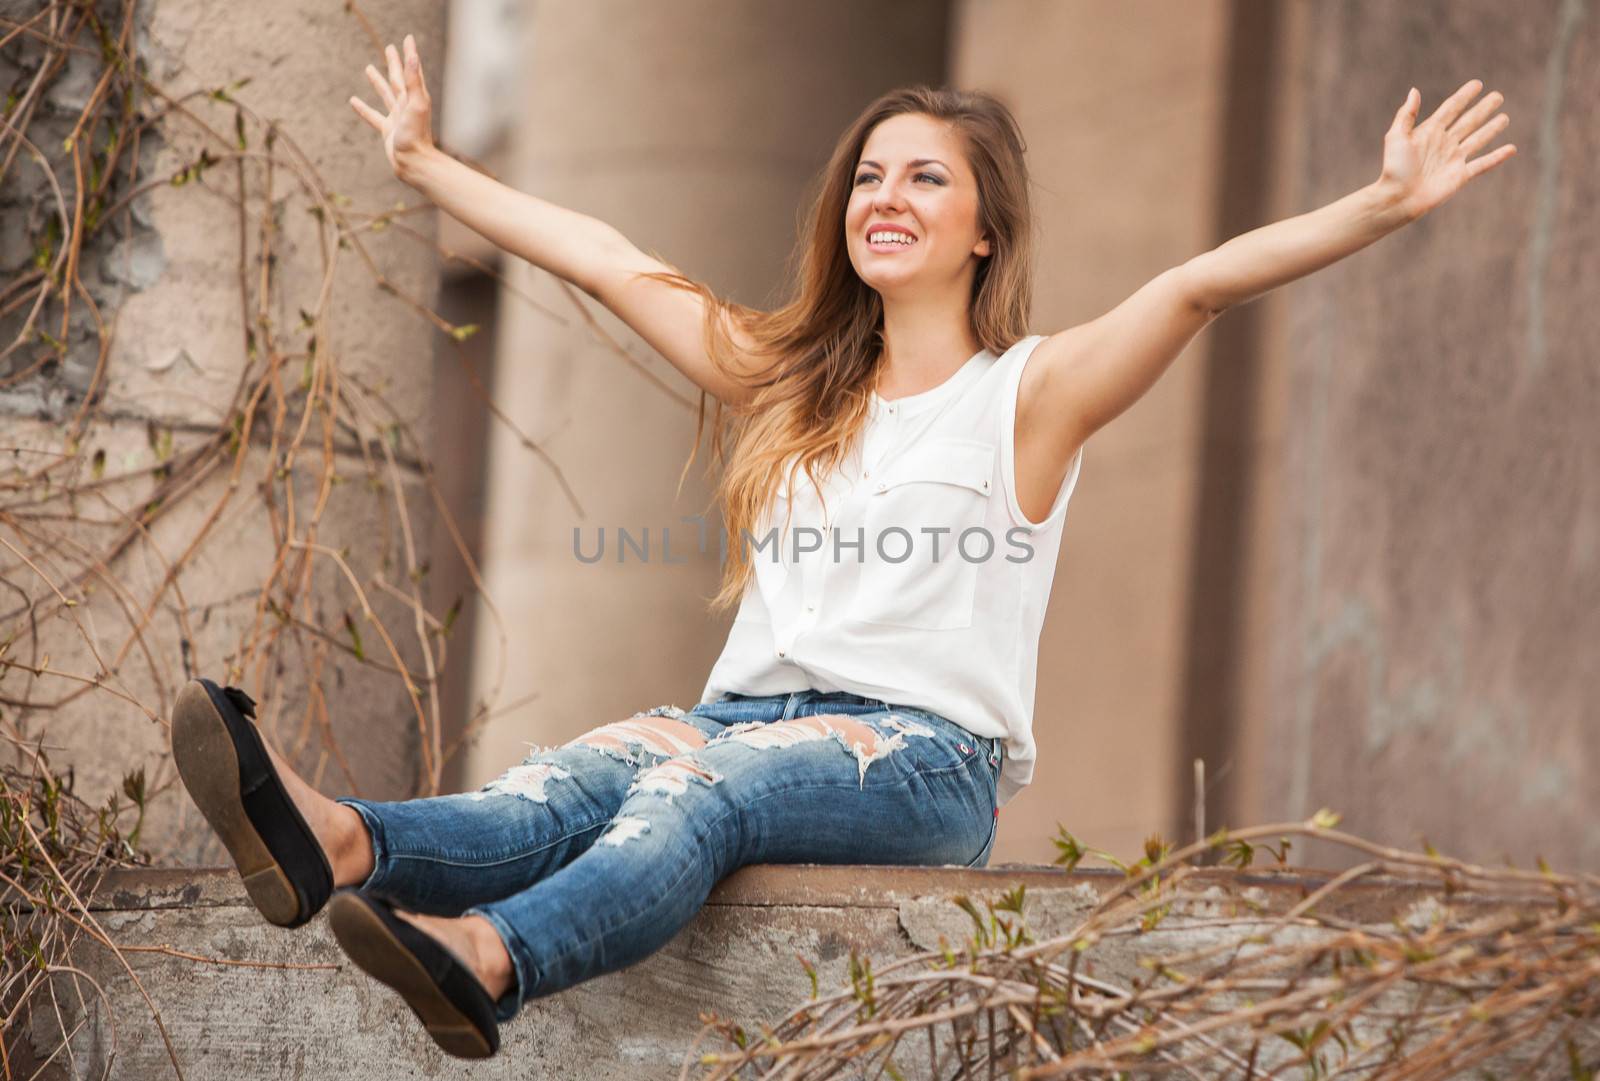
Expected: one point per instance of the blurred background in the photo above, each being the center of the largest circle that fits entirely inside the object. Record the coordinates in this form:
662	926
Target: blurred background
1345	552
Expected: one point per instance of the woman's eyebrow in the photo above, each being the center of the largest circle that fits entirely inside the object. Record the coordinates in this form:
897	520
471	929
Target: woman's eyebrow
909	165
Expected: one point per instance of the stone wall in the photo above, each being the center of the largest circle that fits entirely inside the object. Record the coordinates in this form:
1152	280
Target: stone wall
287	1004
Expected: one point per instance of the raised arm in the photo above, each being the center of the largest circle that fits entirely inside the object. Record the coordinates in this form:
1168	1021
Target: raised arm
1081	378
584	250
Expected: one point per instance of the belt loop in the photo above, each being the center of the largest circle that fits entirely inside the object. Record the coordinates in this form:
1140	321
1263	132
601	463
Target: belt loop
792	705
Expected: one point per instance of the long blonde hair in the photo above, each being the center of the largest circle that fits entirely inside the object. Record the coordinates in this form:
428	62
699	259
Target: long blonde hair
811	399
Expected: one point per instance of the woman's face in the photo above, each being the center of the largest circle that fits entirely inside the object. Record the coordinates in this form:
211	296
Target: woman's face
913	181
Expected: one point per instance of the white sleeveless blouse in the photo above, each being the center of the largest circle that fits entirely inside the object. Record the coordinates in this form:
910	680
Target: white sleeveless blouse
915	578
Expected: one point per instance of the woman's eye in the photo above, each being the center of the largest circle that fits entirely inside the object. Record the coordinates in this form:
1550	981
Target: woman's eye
864	177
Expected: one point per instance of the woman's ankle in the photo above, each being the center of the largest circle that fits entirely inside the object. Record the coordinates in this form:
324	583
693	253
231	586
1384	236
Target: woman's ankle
492	960
349	850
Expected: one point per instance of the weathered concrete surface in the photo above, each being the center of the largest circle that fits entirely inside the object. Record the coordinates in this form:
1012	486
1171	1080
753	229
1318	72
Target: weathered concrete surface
1439	503
737	958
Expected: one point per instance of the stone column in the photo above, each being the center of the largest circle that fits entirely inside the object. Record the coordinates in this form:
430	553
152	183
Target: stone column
1120	106
166	274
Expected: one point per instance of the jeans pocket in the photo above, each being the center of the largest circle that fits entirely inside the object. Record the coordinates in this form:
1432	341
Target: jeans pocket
986	750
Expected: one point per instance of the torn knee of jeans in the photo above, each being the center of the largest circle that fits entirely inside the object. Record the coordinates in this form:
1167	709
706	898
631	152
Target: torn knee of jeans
526	781
655	733
624	828
857	737
662	711
672	778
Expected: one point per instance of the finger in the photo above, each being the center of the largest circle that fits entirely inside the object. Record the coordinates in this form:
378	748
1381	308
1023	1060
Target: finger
1406	117
414	83
1451	107
1482	137
1482	165
382	87
367	113
1475	116
396	83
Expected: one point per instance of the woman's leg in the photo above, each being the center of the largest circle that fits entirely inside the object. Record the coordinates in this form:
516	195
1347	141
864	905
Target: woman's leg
827	785
442	854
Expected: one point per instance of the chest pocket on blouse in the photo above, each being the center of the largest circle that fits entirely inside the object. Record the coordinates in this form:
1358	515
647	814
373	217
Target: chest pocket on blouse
941	485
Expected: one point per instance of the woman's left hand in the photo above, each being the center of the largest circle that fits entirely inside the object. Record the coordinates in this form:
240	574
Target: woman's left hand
1424	164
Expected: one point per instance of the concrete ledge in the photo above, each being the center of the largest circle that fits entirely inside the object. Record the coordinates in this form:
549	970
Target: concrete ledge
242	1021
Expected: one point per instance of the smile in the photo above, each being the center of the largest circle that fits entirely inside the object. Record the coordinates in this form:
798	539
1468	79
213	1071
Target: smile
889	240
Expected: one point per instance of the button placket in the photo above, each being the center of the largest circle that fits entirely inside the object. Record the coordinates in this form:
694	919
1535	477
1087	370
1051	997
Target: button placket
877	448
811	592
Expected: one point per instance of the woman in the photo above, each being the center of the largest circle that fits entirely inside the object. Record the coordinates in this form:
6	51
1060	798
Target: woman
874	701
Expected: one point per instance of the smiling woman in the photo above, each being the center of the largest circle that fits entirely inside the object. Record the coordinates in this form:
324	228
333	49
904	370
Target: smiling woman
898	393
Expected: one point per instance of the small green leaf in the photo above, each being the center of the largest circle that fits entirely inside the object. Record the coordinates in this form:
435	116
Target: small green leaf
1072	851
811	971
355	637
1240	854
133	785
964	903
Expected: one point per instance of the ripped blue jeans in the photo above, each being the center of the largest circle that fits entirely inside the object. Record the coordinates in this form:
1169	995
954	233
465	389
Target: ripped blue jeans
591	856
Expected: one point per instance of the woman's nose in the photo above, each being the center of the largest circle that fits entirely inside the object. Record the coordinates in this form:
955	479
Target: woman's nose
888	197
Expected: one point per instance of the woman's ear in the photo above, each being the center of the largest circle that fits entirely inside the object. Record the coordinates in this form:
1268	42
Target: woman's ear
982	248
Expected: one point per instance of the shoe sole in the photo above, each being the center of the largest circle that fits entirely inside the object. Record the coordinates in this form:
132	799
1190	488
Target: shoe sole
203	752
368	942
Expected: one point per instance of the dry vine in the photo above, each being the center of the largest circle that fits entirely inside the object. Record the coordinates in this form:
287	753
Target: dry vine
77	181
1502	980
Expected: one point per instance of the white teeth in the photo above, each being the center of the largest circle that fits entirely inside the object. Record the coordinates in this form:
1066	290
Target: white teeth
890	238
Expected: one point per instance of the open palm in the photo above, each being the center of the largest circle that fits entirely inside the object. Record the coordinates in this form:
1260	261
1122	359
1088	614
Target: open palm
1427	163
408	128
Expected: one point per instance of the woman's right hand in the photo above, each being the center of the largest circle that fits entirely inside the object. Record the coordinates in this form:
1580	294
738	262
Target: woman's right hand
408	129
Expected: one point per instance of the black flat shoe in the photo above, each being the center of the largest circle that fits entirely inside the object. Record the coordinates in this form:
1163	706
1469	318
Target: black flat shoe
444	994
224	765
